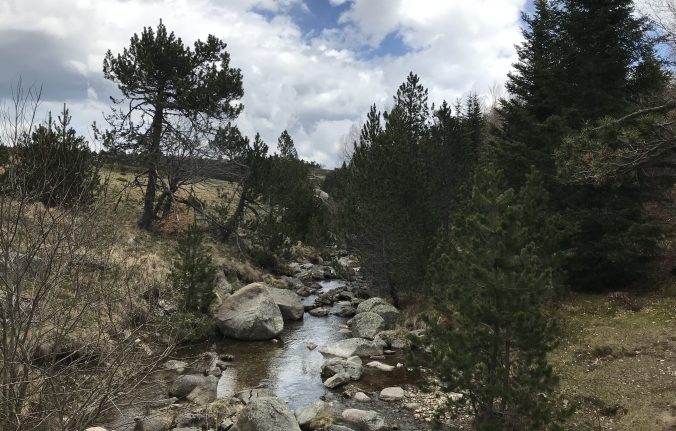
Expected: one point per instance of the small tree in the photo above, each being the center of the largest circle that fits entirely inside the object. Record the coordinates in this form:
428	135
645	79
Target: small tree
492	331
193	273
55	165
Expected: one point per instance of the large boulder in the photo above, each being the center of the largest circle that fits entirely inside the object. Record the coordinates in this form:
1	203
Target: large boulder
250	314
289	303
267	414
367	325
377	305
354	347
365	420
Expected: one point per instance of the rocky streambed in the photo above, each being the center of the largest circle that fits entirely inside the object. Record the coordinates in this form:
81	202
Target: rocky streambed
339	367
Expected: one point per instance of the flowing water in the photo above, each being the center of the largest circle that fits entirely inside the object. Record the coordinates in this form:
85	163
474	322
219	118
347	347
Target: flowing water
287	366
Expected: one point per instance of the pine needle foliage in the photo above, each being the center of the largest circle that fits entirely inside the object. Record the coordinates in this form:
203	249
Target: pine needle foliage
193	274
55	166
492	329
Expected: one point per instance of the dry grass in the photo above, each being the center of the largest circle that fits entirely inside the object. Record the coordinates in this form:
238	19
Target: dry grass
620	365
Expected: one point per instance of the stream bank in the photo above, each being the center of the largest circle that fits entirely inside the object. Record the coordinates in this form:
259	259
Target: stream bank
288	367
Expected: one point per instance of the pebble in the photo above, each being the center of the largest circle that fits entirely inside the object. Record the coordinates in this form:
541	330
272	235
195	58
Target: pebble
380	366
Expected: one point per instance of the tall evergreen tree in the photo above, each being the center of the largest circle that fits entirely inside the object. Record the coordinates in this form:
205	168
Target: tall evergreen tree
582	60
608	63
405	175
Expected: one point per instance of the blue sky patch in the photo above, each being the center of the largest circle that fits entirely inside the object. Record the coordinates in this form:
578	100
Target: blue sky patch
320	15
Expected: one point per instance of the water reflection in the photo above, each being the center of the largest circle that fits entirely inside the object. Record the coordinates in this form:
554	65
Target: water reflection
288	367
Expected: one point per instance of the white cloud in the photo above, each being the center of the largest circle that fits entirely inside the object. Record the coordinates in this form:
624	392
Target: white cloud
316	87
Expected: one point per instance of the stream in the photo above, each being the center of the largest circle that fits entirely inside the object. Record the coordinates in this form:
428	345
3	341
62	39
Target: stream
287	366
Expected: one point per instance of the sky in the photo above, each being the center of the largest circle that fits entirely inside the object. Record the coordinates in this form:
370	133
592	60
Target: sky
312	67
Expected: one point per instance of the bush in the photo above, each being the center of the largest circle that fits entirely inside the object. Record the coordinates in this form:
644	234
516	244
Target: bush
55	166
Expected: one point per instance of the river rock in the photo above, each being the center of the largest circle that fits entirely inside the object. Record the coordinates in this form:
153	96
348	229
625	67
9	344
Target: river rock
204	394
377	305
337	380
367	325
250	314
174	365
380	366
368	304
267	414
392	394
155	421
248	395
340	428
319	312
366	420
187	420
353	347
395	339
354	360
292	282
288	302
361	397
305	415
333	366
346	311
345	295
183	385
197	388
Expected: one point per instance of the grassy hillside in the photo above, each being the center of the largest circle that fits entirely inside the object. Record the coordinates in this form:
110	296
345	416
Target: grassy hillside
620	365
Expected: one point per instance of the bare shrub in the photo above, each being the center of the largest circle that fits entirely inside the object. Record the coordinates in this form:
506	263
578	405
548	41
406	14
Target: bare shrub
67	355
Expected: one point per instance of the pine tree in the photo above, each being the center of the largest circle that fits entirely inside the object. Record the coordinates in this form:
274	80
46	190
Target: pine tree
609	53
531	125
533	83
193	274
492	330
582	60
163	82
405	175
286	147
55	166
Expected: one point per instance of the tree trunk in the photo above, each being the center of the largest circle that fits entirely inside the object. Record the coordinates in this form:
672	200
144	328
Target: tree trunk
236	218
394	292
154	154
